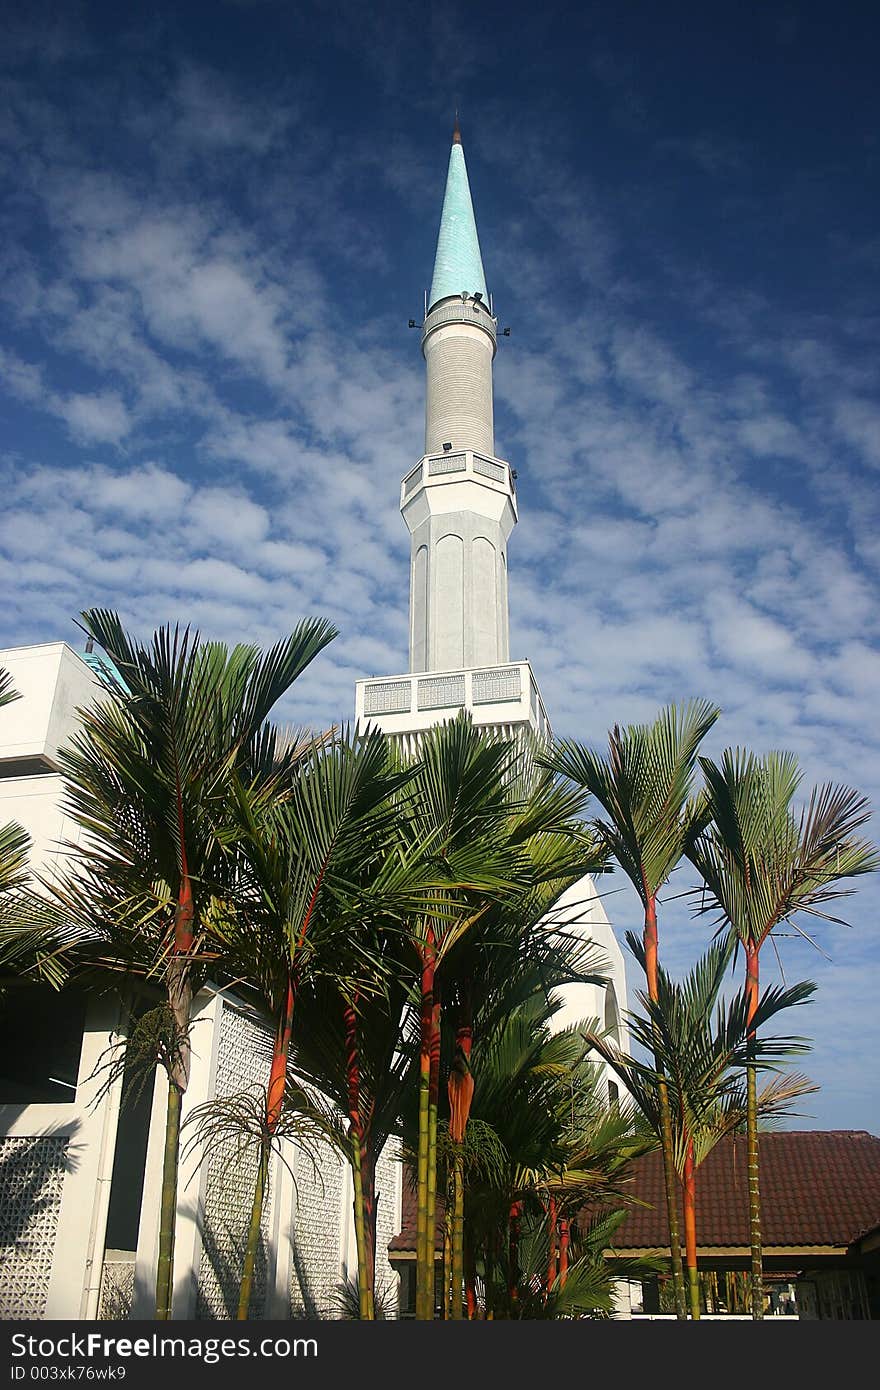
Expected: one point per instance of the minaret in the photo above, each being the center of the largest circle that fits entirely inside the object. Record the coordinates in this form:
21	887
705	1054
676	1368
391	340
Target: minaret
459	505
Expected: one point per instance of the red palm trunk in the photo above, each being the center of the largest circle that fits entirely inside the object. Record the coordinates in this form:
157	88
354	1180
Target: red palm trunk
552	1233
690	1227
368	1181
280	1055
460	1089
179	996
434	1046
460	1086
361	1169
564	1240
513	1256
426	1214
179	981
752	984
473	1310
274	1107
650	941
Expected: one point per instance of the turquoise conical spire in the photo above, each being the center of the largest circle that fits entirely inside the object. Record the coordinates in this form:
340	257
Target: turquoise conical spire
458	265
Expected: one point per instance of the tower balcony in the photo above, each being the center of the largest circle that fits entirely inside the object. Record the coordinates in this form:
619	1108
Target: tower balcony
456	309
459	466
505	698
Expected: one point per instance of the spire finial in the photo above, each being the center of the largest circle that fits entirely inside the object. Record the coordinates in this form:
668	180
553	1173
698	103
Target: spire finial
456	131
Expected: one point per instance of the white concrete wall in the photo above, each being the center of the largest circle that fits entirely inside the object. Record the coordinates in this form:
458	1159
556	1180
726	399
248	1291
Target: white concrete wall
53	682
35	804
580	910
91	1131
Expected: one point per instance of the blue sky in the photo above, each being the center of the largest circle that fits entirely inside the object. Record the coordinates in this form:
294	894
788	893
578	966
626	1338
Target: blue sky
217	220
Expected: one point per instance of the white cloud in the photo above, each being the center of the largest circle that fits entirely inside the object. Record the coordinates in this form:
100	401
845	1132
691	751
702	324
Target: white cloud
100	418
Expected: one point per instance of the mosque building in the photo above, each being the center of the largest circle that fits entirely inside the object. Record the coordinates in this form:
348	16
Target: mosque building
80	1173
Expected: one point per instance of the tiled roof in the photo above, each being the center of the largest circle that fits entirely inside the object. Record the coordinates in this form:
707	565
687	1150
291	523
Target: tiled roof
405	1240
818	1187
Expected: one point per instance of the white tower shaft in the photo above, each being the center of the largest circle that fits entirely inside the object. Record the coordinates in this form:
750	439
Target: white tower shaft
459	505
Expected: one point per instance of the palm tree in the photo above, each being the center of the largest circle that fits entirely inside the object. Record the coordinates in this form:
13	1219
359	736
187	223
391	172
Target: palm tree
762	865
147	778
305	869
357	1048
456	818
644	786
514	949
499	842
701	1043
561	1158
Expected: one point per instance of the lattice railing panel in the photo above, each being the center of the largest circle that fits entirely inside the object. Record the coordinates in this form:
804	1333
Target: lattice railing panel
230	1179
440	692
412	480
447	463
503	684
489	469
31	1183
387	697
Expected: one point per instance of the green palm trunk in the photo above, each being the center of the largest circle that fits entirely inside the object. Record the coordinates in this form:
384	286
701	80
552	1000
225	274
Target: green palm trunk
253	1239
168	1208
457	1271
362	1235
179	995
447	1261
666	1142
362	1229
669	1180
274	1107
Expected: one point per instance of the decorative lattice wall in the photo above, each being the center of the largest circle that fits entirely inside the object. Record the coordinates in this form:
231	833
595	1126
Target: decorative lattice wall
316	1268
31	1182
117	1288
229	1179
387	1224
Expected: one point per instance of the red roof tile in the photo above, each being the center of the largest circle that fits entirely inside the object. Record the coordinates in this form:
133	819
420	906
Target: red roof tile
406	1237
818	1187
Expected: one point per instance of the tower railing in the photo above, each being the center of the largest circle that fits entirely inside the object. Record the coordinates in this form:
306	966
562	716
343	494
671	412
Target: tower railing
466	463
506	694
460	311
